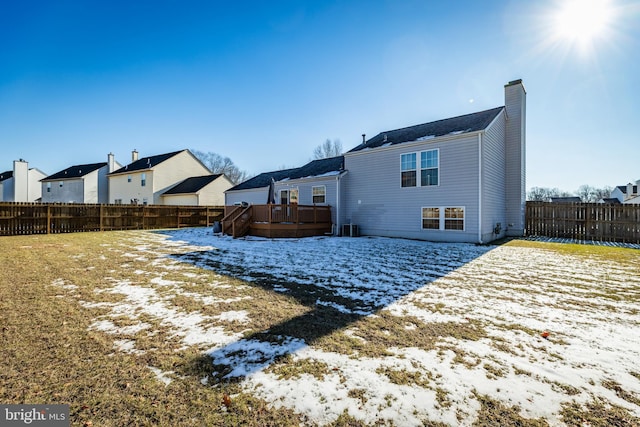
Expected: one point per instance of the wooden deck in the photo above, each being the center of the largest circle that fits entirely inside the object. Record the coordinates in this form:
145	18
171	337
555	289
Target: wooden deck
277	220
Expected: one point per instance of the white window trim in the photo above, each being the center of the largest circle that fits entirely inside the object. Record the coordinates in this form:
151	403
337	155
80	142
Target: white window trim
443	218
324	195
418	170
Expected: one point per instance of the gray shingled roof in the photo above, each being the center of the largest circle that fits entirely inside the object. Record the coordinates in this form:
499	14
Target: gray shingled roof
313	168
76	171
263	180
6	175
193	184
146	163
319	167
462	124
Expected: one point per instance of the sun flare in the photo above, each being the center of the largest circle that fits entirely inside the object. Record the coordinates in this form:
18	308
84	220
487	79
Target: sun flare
582	22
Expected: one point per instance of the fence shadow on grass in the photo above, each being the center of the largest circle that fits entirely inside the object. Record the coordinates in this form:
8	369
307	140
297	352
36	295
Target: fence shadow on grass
331	306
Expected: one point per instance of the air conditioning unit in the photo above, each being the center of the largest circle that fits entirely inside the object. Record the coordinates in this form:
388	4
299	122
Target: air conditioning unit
350	230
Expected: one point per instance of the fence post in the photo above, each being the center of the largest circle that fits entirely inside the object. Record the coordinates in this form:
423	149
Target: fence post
48	218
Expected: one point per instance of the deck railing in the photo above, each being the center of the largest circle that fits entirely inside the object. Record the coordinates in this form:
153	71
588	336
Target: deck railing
238	220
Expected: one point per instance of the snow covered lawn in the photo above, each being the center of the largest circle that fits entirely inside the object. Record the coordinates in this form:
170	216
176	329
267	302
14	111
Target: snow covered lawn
401	332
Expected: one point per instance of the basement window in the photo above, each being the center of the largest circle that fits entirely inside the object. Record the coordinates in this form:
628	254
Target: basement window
443	218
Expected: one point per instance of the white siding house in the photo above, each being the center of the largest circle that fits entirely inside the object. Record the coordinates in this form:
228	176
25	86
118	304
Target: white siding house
79	183
22	184
145	180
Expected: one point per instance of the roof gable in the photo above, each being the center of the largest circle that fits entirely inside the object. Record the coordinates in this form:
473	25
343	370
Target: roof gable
146	163
75	171
193	184
452	126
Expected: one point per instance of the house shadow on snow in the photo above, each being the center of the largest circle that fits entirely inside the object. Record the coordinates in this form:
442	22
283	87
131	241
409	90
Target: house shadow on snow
332	307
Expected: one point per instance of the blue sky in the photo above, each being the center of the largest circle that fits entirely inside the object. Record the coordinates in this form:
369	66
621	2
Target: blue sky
264	83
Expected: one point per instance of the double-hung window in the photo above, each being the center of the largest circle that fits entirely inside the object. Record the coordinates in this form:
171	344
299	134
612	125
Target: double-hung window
443	218
408	170
319	194
454	218
143	180
429	168
431	218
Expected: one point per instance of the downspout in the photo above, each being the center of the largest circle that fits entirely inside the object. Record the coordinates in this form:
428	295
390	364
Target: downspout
480	188
340	175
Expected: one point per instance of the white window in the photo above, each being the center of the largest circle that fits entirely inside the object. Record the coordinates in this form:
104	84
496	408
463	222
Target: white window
143	179
429	168
431	218
118	201
128	178
454	218
443	218
61	183
319	194
48	187
408	170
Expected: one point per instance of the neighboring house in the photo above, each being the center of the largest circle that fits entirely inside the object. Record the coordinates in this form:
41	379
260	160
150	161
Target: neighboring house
6	186
624	193
566	199
316	183
610	201
80	183
632	201
145	180
22	184
207	190
460	179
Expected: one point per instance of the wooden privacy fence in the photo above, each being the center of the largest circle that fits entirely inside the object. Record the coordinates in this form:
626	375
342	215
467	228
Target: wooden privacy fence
584	221
47	218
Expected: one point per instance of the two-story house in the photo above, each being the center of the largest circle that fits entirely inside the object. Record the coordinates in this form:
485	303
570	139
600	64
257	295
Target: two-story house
460	179
144	180
80	183
22	184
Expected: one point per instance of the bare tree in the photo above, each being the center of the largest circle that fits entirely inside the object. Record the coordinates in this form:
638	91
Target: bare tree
218	164
328	149
589	194
544	194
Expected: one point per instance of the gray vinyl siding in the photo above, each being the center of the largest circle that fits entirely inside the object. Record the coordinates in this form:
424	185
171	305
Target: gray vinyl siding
254	196
375	201
72	191
305	194
493	180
